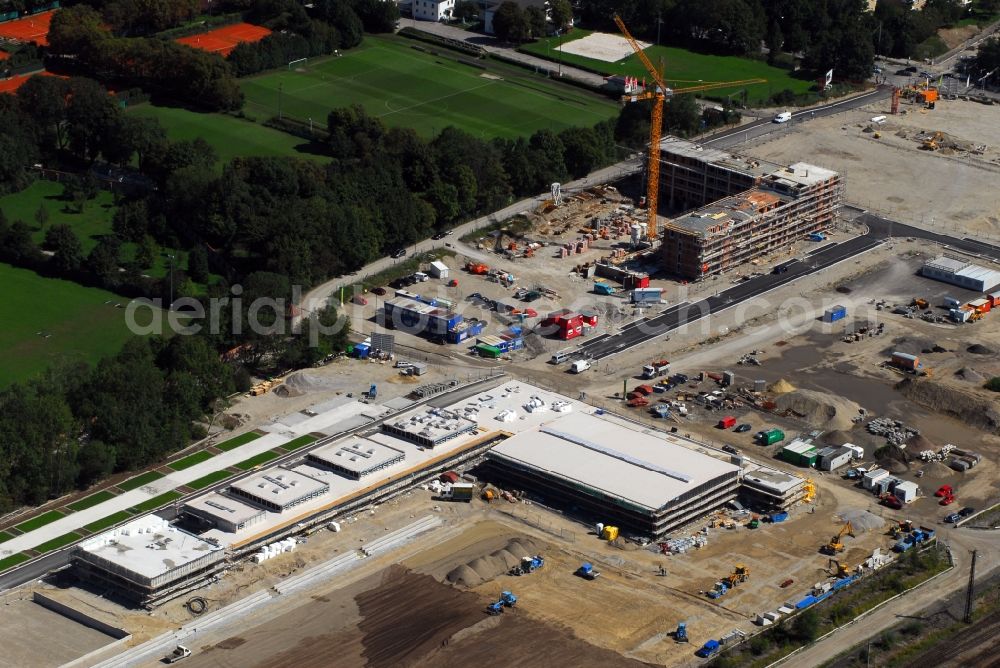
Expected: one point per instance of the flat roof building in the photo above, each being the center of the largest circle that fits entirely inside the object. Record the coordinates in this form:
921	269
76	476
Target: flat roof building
643	482
145	558
356	457
961	273
429	428
278	489
222	512
770	489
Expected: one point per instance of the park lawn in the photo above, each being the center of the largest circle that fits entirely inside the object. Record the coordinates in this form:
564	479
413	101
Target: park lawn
4	536
155	502
683	68
91	500
208	480
236	442
48	320
57	542
231	137
407	87
90	225
109	521
40	521
256	460
13	560
299	442
191	460
140	480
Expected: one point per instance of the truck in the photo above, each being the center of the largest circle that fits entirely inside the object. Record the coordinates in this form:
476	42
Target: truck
656	369
708	649
587	572
180	652
783	117
579	366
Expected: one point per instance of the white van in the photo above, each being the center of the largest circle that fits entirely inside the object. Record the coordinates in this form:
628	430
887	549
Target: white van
579	366
783	117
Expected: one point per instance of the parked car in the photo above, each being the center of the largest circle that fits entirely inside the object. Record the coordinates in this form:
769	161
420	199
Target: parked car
398	253
954	517
441	235
378	291
730	449
743	427
359	300
965	512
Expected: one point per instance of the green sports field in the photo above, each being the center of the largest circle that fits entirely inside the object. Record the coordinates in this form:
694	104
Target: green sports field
46	320
230	137
409	87
683	68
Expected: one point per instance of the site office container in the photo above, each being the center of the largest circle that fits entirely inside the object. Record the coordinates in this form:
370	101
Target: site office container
772	436
835	313
906	361
981	305
727	422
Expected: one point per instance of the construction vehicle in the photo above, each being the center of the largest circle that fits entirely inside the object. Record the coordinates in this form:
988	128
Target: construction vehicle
932	143
528	565
901	528
681	634
835	546
507	599
753	524
495	608
656	369
741	573
587	572
488	495
720	589
372	392
838	569
180	652
920	303
477	268
659	95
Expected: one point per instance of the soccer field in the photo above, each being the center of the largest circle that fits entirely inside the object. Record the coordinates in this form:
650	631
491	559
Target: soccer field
411	88
47	320
683	68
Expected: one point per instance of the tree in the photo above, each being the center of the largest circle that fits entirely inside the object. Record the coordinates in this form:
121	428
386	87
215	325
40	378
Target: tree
97	461
562	14
682	116
582	151
41	216
197	267
105	258
511	24
18	245
632	126
65	245
805	626
146	253
993	384
536	20
774	40
465	10
131	220
377	16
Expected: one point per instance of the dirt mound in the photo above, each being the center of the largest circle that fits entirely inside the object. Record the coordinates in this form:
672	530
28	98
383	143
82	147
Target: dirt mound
893	466
961	403
911	345
819	409
862	520
919	443
836	437
980	349
485	568
782	387
937	470
284	390
970	375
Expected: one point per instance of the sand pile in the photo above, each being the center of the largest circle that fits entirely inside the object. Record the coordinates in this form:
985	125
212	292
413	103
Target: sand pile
937	470
919	443
484	569
782	387
970	375
862	520
964	404
836	437
979	349
819	409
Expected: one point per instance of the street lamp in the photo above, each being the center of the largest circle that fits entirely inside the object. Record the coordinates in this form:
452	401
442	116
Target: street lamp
170	306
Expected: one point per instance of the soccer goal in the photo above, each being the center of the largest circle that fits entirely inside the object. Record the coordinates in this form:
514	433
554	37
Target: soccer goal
300	61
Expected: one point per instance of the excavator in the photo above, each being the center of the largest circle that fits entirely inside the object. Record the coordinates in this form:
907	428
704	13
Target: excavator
659	94
839	569
835	546
933	143
901	528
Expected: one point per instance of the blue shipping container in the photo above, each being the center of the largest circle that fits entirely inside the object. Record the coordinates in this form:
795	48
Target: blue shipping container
806	602
834	314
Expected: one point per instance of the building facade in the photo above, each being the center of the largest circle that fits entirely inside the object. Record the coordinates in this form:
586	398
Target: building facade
433	10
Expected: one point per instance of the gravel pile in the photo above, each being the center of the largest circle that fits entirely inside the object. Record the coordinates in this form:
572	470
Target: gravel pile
862	520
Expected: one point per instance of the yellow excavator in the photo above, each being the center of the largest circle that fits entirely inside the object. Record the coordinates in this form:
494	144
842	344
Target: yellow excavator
838	569
933	143
835	546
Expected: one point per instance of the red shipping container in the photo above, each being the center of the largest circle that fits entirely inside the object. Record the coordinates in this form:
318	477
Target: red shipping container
727	422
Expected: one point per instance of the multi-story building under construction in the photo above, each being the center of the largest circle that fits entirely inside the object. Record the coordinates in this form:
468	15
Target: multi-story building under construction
761	208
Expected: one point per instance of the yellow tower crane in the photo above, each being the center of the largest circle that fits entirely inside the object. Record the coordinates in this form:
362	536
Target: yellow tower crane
658	95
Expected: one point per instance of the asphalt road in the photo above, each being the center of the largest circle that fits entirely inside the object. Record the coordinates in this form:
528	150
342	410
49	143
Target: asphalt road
879	229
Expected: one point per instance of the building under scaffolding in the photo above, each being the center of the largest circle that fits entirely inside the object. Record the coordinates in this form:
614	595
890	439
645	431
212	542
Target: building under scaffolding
786	205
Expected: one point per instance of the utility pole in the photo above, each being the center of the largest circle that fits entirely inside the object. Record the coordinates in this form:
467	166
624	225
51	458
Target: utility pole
971	590
170	307
279	100
659	22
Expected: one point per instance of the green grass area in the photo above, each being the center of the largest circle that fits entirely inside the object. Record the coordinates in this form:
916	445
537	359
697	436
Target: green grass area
140	480
40	521
4	536
683	68
48	320
109	521
931	47
91	500
90	225
191	460
57	542
256	460
398	270
407	87
155	502
299	442
231	137
208	480
13	560
236	442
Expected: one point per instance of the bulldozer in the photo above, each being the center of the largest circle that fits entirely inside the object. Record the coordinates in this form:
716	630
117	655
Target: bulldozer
741	573
835	546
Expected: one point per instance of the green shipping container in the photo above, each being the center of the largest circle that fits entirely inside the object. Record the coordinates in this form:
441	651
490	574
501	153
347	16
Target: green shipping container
772	436
488	351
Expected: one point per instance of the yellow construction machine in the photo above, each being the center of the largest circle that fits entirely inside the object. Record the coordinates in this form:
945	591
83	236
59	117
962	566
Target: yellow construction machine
835	546
933	143
838	569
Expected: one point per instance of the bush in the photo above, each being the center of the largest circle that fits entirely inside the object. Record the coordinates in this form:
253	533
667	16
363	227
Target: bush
993	384
784	97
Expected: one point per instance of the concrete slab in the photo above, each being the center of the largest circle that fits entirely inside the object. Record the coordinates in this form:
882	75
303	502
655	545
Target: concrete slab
35	636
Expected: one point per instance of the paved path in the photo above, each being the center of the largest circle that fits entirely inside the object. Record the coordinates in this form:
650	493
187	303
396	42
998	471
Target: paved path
496	47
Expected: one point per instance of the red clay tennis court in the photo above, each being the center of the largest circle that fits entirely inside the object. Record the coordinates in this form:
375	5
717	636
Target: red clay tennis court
11	85
223	40
34	28
4	55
